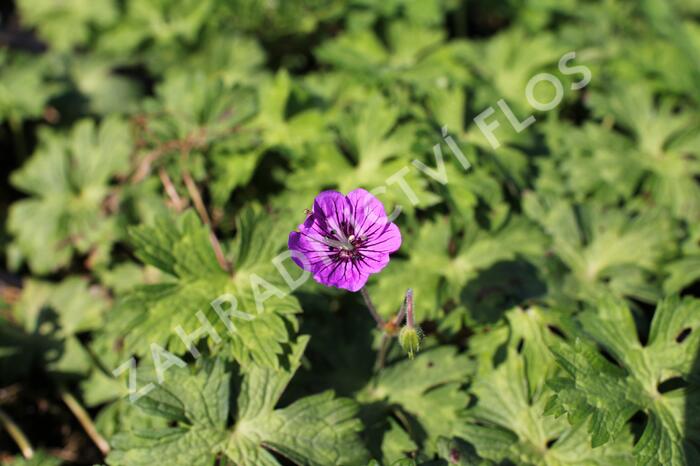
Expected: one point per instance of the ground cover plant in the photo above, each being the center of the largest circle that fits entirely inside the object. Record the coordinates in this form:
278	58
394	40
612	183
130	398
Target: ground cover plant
344	232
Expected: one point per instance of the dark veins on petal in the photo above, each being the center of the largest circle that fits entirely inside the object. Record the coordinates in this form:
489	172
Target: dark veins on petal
342	243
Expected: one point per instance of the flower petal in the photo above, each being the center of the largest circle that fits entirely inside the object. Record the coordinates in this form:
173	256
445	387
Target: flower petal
321	243
385	240
373	262
330	210
309	249
343	274
368	211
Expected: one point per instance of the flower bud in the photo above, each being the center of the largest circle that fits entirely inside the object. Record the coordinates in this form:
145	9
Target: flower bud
410	339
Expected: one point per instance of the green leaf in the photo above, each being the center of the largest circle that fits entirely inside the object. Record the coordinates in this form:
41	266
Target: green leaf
426	389
68	178
24	91
198	108
15	358
315	430
508	423
414	56
107	91
198	406
67	24
682	273
40	458
282	126
380	150
606	248
436	274
181	248
666	142
460	453
505	64
596	164
51	316
604	395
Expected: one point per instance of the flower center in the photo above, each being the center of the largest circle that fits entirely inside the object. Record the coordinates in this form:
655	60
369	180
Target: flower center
345	248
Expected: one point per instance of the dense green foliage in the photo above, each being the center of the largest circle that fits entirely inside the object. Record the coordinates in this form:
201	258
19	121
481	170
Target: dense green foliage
156	154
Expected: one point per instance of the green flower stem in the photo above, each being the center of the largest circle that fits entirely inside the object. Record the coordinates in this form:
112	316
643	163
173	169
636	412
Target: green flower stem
372	310
409	309
16	434
404	306
410	336
85	420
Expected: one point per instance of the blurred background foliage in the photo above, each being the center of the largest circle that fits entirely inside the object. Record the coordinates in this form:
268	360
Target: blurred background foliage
556	279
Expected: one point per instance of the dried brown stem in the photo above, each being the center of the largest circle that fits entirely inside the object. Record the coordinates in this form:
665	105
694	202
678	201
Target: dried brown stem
177	202
17	435
85	420
144	167
193	140
9	393
196	198
204	215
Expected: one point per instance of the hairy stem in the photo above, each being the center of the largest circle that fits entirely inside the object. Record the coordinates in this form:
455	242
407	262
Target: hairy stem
16	434
370	307
409	308
85	421
402	312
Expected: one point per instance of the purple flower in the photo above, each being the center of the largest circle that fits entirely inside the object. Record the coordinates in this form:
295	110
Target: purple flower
345	239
